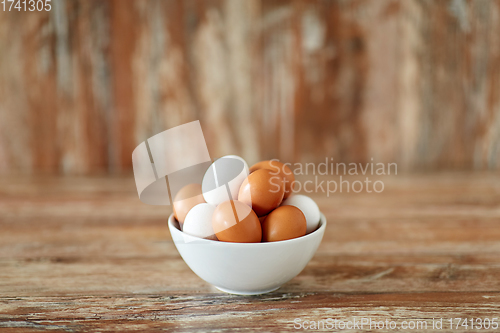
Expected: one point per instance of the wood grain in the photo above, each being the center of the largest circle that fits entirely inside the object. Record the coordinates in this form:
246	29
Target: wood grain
84	254
411	82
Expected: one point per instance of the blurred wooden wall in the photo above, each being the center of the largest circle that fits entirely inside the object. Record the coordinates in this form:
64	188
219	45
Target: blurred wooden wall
411	82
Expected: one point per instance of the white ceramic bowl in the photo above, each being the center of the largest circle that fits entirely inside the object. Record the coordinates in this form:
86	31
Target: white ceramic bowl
246	268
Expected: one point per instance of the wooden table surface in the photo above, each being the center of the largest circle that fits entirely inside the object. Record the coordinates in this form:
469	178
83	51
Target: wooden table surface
85	254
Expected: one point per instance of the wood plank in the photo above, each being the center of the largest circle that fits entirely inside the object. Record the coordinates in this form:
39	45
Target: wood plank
276	311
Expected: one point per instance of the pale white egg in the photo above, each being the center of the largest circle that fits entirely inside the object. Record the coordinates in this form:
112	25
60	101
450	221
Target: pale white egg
198	221
308	207
223	179
238	158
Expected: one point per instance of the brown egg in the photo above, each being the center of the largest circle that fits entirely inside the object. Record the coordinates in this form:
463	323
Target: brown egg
262	191
187	197
278	168
242	227
285	222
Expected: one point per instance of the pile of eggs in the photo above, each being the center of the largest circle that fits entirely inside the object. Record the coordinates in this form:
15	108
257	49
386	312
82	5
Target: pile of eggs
251	205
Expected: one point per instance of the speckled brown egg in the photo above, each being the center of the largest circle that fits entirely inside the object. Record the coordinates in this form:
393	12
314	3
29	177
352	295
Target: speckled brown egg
285	222
279	169
233	221
262	191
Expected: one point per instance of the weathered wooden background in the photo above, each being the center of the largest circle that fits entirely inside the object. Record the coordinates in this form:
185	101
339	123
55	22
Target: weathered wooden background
412	82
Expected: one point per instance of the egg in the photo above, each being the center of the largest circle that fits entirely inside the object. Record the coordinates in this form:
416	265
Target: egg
234	221
308	207
285	222
223	179
245	164
262	191
198	221
187	197
278	169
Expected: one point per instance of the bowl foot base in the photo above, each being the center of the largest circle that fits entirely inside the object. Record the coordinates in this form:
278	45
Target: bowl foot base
236	292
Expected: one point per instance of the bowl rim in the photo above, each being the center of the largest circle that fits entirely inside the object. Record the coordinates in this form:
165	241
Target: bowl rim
198	240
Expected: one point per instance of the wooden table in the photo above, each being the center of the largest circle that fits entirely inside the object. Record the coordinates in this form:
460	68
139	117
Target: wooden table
85	254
